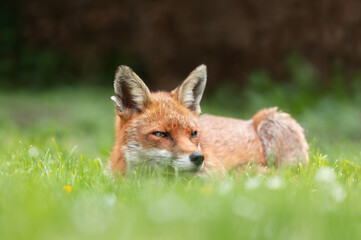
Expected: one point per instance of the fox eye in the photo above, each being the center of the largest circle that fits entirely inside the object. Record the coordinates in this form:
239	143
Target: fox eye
161	134
194	134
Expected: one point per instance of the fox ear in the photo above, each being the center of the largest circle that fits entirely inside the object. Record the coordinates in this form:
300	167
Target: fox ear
130	90
190	92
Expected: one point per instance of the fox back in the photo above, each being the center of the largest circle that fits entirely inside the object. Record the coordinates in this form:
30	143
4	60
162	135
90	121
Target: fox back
163	130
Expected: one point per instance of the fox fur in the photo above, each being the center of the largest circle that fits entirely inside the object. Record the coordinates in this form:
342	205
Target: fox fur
163	130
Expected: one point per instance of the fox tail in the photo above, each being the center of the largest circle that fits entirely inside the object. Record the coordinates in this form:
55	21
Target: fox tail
282	137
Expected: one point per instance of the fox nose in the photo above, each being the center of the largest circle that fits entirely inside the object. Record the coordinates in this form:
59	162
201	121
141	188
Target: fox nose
196	158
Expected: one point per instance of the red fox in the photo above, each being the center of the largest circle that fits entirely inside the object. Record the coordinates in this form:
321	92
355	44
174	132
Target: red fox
164	130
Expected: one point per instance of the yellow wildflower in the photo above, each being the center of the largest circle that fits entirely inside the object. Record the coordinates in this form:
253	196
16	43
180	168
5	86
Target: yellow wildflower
206	190
67	189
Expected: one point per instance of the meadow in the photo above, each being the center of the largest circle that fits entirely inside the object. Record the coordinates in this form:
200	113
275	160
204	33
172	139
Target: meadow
54	183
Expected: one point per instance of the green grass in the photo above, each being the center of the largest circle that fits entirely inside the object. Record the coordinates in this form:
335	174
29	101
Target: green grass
59	138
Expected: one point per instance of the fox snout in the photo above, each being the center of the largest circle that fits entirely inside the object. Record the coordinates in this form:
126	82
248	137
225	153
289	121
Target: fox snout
196	158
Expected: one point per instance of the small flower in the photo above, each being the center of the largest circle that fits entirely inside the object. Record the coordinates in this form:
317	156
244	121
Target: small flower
33	152
110	199
167	209
67	189
275	183
325	175
206	190
225	187
253	183
247	208
338	193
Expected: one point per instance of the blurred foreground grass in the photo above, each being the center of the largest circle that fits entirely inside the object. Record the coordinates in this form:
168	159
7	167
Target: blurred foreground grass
54	147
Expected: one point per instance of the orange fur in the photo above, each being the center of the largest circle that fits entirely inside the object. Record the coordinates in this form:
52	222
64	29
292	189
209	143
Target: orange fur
226	143
163	113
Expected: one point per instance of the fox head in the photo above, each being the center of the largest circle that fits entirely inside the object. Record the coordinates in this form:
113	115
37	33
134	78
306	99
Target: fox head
158	130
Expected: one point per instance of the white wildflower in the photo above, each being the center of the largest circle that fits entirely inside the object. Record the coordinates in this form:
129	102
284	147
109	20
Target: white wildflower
247	208
167	209
253	183
338	193
275	183
33	152
225	187
109	199
325	175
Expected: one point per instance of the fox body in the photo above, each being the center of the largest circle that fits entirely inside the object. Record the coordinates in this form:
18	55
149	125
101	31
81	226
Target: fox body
163	130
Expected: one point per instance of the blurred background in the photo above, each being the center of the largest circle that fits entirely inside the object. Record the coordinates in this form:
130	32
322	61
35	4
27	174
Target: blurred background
83	41
58	59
